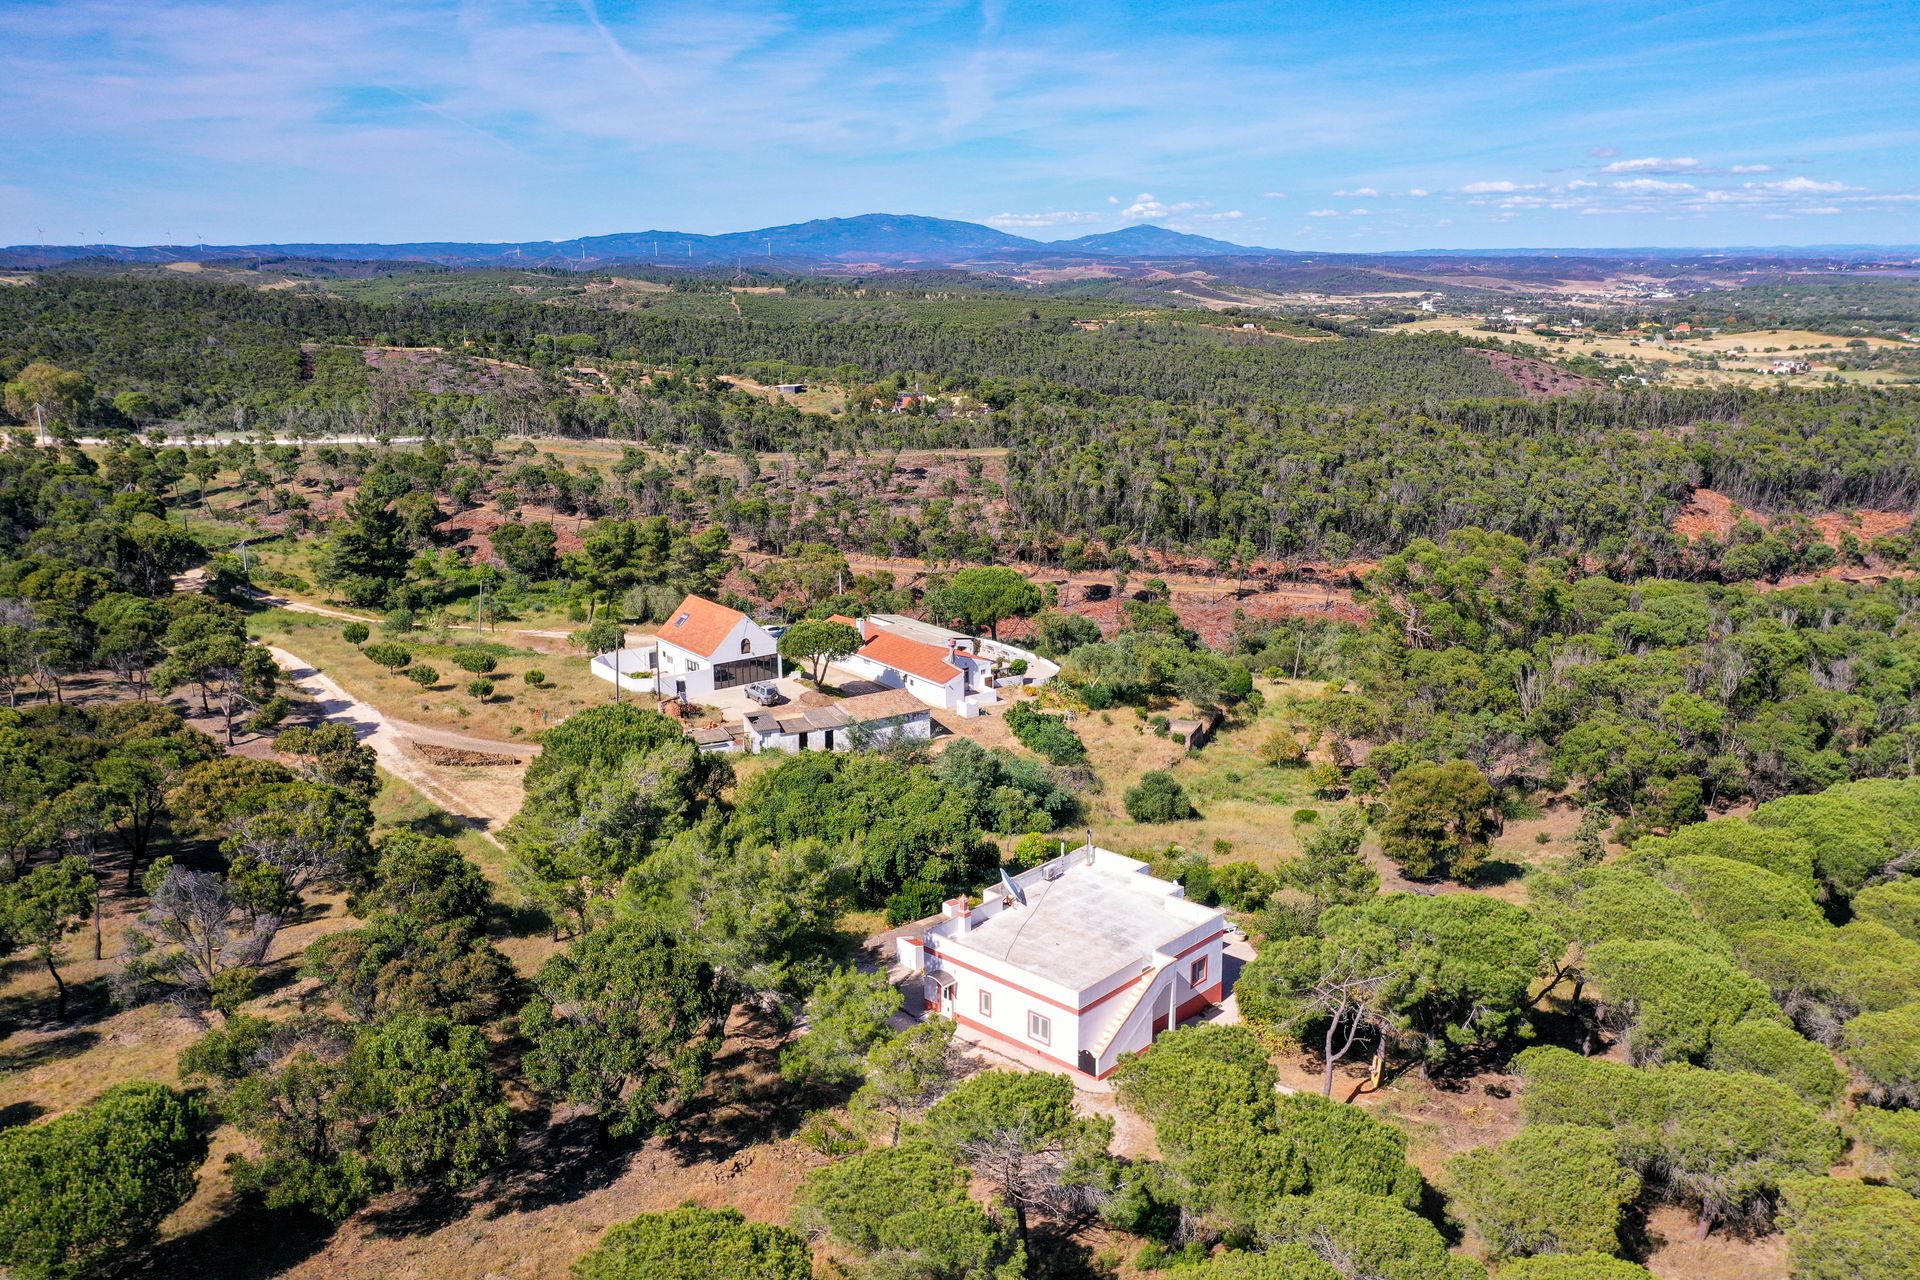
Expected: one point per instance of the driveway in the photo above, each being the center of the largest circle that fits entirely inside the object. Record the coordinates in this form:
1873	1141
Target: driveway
482	807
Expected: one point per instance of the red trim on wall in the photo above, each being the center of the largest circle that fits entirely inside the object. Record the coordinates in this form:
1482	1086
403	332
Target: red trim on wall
1031	1046
1061	1004
985	973
1196	946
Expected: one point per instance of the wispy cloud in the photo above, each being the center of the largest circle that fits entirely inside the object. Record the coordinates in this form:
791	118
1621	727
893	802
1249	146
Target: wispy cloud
1652	164
272	119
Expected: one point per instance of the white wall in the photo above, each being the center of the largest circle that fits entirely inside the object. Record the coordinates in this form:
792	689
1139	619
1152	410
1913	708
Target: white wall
946	696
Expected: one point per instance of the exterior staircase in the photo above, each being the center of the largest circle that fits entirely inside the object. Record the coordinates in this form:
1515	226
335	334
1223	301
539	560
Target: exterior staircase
1142	986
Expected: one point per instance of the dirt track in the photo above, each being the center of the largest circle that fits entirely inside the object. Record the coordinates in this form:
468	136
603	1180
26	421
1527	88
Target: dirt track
483	803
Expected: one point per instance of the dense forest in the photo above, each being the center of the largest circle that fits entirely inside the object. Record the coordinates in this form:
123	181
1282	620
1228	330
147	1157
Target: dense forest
1703	1013
1146	430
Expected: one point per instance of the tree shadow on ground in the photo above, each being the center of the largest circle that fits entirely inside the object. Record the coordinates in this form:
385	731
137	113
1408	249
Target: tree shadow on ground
441	823
247	1244
559	1159
87	1002
1495	872
745	1101
40	1052
20	1113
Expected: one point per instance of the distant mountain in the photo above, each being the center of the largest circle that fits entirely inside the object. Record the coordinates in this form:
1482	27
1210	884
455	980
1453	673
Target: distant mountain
1149	241
892	239
880	237
872	237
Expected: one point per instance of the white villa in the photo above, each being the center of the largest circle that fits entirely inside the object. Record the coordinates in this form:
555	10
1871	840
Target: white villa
1082	960
702	648
941	668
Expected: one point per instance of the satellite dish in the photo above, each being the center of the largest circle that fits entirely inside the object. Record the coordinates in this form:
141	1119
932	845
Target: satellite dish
1013	890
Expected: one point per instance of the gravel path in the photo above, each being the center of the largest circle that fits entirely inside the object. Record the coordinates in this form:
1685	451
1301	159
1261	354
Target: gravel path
393	743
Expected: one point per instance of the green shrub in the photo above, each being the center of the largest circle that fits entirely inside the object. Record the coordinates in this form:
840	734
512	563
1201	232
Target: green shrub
1890	1141
1839	1230
95	1183
481	688
1885	1048
1157	797
1045	735
355	633
424	676
1775	1050
397	622
691	1243
1563	1088
1672	1000
1574	1266
1305	817
1552	1188
914	900
474	661
391	656
1372	1235
1895	904
535	677
269	713
1734	897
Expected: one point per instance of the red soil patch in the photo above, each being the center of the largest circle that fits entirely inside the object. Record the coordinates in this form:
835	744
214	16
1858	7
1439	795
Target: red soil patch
475	528
1713	515
1537	379
1706	515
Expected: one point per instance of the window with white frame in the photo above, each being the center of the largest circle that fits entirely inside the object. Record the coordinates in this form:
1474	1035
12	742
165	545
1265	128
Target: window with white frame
986	1003
1197	972
1039	1028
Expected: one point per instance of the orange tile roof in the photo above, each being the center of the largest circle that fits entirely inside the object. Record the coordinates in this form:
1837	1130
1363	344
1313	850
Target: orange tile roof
927	661
699	625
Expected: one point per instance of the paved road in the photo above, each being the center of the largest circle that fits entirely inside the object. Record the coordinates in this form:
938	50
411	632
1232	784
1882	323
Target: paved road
392	740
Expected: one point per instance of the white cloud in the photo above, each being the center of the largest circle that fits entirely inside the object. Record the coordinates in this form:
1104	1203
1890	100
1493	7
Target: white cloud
1359	213
1751	168
1148	205
1652	186
1601	153
1323	213
1496	188
1047	218
1417	191
1799	186
1580	184
1652	164
1226	215
1273	195
1359	193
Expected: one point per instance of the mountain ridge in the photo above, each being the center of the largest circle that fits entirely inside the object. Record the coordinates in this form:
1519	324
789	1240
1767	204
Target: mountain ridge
882	239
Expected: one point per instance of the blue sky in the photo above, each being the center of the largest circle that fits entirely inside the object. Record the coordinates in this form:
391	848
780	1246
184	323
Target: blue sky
1343	126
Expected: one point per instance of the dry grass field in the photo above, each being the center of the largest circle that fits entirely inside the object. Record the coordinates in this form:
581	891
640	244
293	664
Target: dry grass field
514	710
1743	357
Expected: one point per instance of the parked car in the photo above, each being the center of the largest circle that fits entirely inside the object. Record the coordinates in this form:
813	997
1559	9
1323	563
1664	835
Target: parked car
766	693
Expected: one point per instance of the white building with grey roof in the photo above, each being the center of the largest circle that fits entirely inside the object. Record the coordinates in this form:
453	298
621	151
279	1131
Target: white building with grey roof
1081	960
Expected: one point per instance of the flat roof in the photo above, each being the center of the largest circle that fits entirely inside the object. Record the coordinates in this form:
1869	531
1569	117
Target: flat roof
914	629
1088	924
